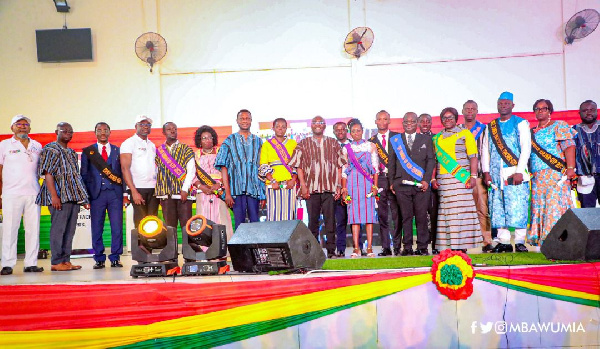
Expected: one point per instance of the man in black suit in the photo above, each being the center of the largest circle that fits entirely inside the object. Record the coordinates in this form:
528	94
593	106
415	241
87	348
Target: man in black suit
387	199
410	168
101	173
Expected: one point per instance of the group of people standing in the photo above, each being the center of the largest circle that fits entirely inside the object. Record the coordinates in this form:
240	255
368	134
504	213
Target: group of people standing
471	184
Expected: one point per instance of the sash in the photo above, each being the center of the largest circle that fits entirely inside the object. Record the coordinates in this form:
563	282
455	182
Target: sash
357	165
101	165
407	163
448	163
477	129
170	163
383	156
557	164
207	180
281	152
505	153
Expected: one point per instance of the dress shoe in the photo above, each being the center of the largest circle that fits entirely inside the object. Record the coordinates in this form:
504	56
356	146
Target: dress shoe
406	252
502	248
61	267
33	269
435	251
421	252
6	271
340	254
385	252
99	265
73	266
116	264
331	254
521	248
396	252
487	248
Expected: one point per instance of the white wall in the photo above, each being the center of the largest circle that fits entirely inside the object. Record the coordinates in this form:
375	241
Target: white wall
285	58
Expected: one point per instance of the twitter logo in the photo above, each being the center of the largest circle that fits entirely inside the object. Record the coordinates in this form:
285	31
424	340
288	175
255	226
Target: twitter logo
486	327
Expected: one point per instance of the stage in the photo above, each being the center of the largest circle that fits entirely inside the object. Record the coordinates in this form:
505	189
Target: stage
541	306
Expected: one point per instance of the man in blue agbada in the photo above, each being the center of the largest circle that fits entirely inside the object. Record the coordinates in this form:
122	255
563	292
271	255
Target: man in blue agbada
504	164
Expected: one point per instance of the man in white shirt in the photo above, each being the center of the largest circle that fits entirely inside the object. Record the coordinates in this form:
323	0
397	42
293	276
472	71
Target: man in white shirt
504	157
139	170
19	183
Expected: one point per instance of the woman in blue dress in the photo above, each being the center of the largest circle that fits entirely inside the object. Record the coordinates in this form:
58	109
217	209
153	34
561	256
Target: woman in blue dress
359	185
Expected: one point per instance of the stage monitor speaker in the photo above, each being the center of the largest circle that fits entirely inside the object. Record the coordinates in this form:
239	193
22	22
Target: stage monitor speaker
576	236
271	246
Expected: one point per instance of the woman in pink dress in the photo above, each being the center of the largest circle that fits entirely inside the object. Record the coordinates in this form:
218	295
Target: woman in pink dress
208	203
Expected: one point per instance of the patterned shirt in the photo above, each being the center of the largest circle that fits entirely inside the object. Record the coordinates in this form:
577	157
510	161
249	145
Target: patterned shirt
320	161
62	164
587	144
166	182
241	156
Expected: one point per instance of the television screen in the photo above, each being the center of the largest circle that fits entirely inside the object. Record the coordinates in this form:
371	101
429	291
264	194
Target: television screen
64	45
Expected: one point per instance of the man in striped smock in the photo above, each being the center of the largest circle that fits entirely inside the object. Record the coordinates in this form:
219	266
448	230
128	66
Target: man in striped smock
63	192
175	173
319	161
238	161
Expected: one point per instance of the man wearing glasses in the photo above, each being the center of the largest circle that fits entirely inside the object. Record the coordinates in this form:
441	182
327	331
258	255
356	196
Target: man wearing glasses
19	186
139	170
319	162
63	192
588	154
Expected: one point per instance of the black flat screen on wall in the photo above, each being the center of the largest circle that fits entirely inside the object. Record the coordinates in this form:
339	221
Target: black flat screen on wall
64	45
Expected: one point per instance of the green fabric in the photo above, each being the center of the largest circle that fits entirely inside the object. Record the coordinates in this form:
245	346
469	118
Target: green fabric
592	303
449	163
238	333
451	275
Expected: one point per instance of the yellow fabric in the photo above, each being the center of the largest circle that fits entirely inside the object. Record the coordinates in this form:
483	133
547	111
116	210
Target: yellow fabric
268	155
263	311
448	144
542	288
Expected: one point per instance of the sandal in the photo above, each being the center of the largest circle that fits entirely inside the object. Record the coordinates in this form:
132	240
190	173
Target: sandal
355	253
370	252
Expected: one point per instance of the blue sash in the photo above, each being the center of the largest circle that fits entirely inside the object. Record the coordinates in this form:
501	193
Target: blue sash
477	129
409	166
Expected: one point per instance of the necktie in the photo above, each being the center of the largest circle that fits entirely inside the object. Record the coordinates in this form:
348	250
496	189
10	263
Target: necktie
104	153
409	140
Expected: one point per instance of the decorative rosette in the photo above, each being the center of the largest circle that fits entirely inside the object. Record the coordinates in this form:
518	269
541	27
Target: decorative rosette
453	274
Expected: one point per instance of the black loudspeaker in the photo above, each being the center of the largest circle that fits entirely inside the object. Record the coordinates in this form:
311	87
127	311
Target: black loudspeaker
576	236
271	246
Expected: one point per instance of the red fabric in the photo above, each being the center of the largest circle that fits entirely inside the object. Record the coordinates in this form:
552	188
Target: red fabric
574	277
104	153
43	307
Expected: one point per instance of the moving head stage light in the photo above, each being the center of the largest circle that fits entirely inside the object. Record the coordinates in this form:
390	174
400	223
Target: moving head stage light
152	236
204	243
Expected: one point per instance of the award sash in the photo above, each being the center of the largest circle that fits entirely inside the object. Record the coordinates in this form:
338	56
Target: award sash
407	163
101	165
505	153
557	164
448	163
281	152
207	180
383	155
170	163
477	129
357	165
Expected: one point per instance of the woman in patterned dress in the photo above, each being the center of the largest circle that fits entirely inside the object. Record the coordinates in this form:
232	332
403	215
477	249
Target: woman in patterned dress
550	189
458	224
359	179
207	203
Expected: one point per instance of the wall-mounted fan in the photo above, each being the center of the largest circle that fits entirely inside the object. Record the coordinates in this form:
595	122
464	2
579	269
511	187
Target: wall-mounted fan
359	41
150	47
582	24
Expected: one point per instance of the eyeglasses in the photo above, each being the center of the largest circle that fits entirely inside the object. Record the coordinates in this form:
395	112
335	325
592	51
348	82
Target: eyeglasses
145	124
207	138
542	109
446	118
318	122
22	124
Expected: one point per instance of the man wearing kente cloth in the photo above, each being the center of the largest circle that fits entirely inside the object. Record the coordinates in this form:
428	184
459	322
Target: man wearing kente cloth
504	158
175	172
